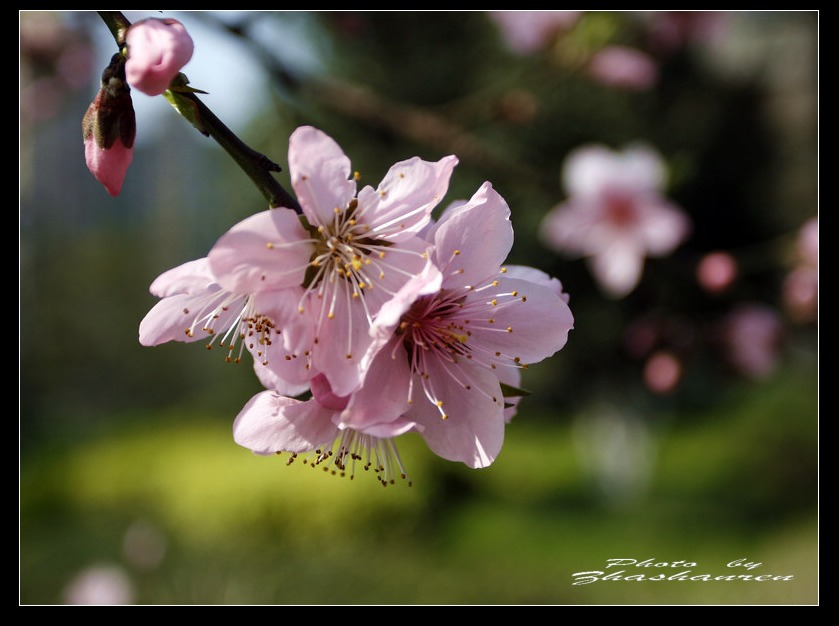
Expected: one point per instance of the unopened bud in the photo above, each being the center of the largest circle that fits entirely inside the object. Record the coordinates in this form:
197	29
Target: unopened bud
108	129
157	50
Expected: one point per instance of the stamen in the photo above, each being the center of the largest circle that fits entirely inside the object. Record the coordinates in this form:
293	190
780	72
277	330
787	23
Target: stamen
351	448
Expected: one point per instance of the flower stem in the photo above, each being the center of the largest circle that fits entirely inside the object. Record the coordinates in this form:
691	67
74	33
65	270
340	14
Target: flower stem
256	165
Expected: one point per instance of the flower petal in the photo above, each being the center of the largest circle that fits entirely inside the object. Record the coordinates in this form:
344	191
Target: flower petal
189	277
473	432
385	392
473	240
403	201
179	317
566	227
270	380
266	251
618	268
531	326
320	174
341	342
663	226
287	348
539	277
271	423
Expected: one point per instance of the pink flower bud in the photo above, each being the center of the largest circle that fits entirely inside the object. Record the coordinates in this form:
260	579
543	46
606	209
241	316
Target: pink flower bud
157	50
108	129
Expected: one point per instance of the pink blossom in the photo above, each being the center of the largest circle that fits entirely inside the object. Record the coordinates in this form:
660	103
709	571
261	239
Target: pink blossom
752	335
526	32
716	272
348	254
445	344
620	66
615	214
157	50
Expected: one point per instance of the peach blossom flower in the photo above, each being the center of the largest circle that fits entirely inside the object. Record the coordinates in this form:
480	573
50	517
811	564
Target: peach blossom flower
615	215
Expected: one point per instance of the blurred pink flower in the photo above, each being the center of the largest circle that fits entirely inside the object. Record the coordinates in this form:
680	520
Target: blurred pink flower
716	272
662	372
623	67
108	129
526	32
615	214
801	294
752	336
157	50
673	30
801	284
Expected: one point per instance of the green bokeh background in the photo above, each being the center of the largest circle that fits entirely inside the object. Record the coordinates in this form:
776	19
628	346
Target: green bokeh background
126	454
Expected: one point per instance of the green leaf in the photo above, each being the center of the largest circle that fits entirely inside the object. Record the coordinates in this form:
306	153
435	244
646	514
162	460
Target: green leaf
513	392
186	107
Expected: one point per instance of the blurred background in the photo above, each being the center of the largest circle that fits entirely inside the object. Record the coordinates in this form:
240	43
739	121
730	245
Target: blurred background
679	423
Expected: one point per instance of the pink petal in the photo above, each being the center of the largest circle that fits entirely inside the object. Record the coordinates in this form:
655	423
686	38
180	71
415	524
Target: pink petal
291	339
593	170
266	251
534	275
385	392
566	227
173	316
663	227
190	277
270	380
402	204
618	269
531	327
271	423
341	343
320	174
392	429
473	240
473	433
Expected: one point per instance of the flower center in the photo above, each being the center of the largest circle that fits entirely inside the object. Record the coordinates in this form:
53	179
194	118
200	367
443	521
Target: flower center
621	211
346	265
442	332
228	320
